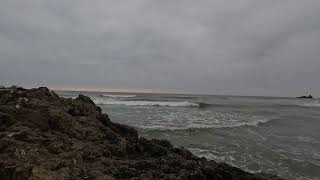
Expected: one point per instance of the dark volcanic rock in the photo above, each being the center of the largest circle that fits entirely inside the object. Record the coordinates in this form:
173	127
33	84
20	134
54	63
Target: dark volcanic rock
306	97
44	136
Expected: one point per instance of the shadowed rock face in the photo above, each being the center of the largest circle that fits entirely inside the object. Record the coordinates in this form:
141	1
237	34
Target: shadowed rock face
44	136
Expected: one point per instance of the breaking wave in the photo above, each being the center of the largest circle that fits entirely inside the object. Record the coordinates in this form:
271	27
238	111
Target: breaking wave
311	104
118	95
144	103
195	126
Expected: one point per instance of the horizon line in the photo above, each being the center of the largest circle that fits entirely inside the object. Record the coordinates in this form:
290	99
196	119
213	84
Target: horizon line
101	89
142	91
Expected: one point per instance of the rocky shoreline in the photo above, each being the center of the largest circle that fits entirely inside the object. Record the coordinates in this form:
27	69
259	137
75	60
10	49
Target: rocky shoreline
44	136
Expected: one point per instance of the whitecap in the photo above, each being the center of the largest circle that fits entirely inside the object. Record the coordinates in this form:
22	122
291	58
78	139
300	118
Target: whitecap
194	126
118	95
311	104
144	103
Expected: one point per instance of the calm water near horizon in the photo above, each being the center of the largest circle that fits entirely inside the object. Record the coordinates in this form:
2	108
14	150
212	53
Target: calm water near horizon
258	134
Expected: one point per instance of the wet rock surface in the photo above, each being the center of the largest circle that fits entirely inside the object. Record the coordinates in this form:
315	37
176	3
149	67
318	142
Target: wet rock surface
44	136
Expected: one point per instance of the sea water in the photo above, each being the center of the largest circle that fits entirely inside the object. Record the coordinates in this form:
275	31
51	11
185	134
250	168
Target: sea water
258	134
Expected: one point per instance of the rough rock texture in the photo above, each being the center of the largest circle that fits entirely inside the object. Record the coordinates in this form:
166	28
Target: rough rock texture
44	136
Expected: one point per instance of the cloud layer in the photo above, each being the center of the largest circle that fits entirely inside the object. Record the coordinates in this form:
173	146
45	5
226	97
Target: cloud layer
245	47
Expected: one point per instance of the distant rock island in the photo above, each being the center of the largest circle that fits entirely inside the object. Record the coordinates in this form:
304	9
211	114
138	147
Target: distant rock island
306	97
44	136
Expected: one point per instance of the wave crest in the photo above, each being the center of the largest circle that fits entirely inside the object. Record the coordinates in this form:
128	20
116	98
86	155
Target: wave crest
311	104
144	103
201	126
118	95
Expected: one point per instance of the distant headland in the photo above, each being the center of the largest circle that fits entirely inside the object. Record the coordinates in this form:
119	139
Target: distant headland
306	97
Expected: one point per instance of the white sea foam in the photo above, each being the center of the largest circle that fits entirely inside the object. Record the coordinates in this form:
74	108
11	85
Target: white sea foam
118	95
144	103
311	104
215	155
191	126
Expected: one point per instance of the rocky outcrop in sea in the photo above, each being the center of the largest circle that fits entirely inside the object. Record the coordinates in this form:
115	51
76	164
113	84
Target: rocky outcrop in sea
44	136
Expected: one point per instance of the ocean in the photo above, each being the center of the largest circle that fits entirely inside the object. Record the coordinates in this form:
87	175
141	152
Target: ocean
258	134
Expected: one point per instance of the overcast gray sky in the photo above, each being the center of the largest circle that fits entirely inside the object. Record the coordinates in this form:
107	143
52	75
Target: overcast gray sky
245	47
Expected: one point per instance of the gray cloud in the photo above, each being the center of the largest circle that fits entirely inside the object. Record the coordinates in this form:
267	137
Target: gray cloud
214	47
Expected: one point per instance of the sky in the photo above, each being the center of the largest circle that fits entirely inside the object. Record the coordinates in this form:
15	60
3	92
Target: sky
236	47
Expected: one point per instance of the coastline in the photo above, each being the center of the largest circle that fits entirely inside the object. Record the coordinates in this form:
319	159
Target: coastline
44	136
